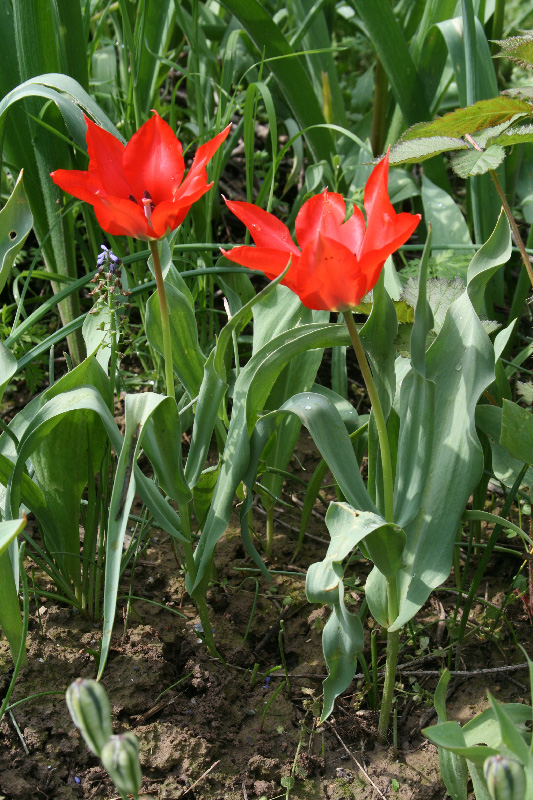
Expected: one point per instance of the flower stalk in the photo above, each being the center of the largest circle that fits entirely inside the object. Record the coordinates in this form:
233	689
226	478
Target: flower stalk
165	320
393	638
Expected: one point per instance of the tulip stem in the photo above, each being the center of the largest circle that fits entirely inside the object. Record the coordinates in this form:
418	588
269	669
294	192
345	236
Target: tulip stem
378	416
393	638
165	321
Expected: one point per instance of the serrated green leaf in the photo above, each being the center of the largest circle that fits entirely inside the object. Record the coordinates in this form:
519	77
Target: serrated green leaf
518	49
420	148
525	390
477	162
489	135
440	295
517	431
519	135
477	117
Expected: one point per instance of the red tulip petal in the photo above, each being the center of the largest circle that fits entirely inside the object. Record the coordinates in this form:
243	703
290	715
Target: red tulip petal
167	216
326	213
153	161
197	174
265	259
122	218
328	276
83	185
105	165
266	229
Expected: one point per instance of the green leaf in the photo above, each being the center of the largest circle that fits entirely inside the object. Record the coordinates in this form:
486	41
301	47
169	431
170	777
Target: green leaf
518	135
342	639
15	224
413	151
447	223
347	527
476	162
506	468
460	363
210	397
517	431
202	494
518	49
8	367
10	616
480	115
9	530
450	736
510	735
441	294
250	394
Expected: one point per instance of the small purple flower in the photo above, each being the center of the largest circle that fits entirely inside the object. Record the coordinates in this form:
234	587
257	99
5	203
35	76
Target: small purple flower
76	779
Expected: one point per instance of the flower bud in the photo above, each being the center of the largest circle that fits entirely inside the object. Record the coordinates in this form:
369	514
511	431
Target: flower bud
120	757
506	778
91	713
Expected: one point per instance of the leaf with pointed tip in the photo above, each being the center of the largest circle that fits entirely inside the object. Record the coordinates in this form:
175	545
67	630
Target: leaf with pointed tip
412	151
477	162
518	49
477	117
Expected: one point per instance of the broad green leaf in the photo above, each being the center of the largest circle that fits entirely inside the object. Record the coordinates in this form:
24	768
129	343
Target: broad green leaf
202	494
447	223
485	728
480	115
9	530
282	310
450	736
250	394
15	224
63	463
347	527
416	410
8	367
342	639
506	468
517	431
476	162
460	363
494	253
510	735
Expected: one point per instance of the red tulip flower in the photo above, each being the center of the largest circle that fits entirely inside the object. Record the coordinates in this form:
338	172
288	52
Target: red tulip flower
339	261
139	190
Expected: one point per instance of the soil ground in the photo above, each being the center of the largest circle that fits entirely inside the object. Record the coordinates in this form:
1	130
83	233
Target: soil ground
207	732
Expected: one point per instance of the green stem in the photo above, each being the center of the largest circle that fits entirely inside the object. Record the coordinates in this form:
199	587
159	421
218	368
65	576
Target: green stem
393	641
388	485
514	226
165	322
199	595
269	544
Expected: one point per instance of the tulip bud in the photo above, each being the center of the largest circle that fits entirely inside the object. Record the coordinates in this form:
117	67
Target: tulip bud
91	713
506	778
120	757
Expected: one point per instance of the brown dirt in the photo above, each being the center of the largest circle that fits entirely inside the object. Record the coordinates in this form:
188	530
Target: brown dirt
205	738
